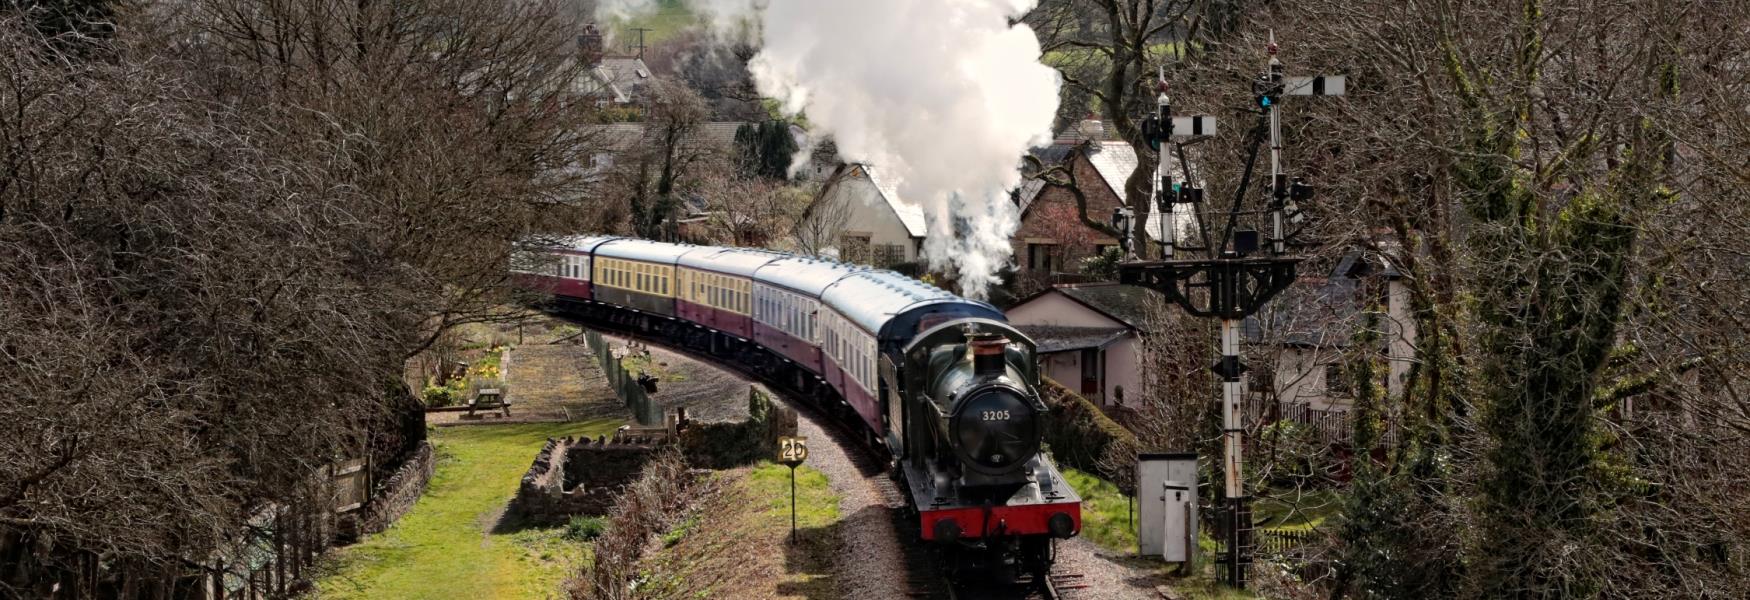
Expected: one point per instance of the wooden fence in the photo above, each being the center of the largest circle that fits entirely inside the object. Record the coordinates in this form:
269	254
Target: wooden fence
627	387
1334	427
1278	542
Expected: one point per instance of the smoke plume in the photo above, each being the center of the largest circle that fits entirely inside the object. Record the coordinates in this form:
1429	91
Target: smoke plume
943	97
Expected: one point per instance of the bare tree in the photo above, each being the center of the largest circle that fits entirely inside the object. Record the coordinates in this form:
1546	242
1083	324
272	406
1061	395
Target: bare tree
459	119
223	234
666	160
824	219
1109	53
751	212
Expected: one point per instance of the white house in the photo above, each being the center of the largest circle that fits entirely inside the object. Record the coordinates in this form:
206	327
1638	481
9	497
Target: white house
1309	331
860	214
1089	336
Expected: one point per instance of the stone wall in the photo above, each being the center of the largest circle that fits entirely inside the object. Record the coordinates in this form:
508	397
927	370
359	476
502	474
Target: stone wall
397	494
730	445
573	477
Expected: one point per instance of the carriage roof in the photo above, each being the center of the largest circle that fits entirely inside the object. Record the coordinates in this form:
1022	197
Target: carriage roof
872	298
807	275
644	250
740	262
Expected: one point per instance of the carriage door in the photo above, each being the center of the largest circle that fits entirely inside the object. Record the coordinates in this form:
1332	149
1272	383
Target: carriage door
893	407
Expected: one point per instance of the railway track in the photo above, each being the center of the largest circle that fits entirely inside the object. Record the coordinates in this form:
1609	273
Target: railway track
1058	585
923	573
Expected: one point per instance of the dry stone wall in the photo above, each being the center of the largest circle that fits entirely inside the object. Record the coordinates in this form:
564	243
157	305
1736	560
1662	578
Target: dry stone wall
580	476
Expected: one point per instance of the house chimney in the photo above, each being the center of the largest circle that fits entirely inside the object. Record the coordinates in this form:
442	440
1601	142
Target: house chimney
1093	129
589	45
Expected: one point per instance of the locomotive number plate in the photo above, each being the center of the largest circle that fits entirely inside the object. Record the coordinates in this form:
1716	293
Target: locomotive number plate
792	450
996	415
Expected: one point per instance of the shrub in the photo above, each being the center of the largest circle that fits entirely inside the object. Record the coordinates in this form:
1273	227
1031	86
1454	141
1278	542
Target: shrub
437	396
585	529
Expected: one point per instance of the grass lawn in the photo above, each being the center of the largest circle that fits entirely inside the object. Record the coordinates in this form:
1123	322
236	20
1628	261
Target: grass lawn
670	18
445	546
1300	511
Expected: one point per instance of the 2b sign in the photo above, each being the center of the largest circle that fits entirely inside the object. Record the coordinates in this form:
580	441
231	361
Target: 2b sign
792	450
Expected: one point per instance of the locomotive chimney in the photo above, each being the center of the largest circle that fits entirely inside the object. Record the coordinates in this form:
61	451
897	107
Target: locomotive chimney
987	354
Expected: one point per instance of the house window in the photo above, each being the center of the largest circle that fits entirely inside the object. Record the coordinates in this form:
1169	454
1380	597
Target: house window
1042	257
887	255
1336	381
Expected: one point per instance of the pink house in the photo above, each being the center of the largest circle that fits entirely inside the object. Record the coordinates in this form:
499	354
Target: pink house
1089	336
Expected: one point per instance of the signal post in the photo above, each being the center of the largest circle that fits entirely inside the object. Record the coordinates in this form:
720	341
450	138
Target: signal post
1226	271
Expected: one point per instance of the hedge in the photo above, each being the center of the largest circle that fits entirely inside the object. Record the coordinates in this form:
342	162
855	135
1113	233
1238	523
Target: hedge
1083	437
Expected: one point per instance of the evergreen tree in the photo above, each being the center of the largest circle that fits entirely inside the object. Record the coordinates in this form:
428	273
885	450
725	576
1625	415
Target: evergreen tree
765	149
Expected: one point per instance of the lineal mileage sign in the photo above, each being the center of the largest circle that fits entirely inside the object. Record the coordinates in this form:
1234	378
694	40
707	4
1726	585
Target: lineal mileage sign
792	450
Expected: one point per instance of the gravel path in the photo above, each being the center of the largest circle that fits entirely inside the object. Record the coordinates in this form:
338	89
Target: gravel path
1107	577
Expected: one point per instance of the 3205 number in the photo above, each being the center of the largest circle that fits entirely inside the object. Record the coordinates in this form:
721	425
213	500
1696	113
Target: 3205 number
996	415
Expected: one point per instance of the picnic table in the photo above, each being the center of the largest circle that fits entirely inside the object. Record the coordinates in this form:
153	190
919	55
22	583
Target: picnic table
489	399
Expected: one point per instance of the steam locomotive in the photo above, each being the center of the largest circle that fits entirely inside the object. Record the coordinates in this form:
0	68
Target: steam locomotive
941	384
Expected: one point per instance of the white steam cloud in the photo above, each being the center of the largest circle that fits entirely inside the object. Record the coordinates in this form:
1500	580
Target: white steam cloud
942	96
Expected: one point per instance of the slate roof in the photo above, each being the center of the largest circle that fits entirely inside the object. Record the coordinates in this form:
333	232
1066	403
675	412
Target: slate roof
710	136
1114	161
616	78
1028	192
616	137
910	215
1053	338
1316	315
719	134
1053	154
1322	312
1128	304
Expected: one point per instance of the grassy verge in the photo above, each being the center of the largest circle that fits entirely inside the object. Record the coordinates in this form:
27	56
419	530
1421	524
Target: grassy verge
737	543
1106	519
1105	522
452	544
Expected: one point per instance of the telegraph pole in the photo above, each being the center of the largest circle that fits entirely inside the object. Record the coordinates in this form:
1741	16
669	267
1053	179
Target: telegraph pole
641	31
1231	279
